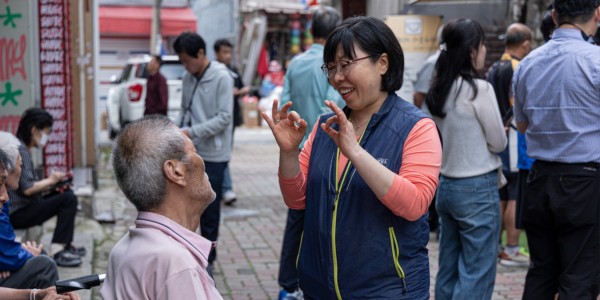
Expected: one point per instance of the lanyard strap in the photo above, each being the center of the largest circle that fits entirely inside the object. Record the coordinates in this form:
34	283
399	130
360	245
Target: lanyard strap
189	106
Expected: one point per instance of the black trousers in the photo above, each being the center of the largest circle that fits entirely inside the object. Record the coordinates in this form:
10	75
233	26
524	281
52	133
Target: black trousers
561	218
521	196
288	273
63	206
209	221
37	273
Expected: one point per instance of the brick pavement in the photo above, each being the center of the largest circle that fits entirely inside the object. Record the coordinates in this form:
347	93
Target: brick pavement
251	232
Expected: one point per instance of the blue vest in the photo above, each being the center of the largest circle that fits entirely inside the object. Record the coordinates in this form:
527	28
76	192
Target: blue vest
358	249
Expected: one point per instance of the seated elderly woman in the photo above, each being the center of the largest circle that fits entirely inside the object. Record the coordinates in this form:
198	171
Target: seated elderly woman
21	266
162	257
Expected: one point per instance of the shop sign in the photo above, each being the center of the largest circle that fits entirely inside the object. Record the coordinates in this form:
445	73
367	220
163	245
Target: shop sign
15	77
55	81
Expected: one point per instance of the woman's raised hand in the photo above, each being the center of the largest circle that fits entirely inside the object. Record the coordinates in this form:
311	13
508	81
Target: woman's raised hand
344	137
287	127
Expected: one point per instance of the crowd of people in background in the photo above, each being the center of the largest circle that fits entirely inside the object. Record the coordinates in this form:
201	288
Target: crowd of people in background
508	149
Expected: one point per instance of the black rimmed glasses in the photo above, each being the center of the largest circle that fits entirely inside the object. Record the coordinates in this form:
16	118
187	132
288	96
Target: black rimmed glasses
342	66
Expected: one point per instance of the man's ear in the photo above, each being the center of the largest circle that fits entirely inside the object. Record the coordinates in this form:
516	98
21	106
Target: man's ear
554	17
200	53
174	171
527	46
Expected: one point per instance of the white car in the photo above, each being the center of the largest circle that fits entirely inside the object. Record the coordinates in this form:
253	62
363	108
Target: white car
127	98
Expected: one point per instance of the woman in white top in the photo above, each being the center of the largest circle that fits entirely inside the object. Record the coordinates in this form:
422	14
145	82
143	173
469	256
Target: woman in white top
466	111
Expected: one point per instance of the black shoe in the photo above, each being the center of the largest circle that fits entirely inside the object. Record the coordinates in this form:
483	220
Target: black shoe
80	251
67	259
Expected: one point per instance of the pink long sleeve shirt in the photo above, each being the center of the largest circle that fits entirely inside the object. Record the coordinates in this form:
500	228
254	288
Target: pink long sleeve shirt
414	186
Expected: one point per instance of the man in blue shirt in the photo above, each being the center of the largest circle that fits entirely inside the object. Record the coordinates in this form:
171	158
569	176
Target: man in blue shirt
21	266
308	88
557	100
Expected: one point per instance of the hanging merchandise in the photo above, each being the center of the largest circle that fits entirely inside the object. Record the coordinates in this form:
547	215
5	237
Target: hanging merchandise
308	38
295	35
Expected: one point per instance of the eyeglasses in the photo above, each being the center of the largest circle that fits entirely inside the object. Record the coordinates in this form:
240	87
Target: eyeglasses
342	66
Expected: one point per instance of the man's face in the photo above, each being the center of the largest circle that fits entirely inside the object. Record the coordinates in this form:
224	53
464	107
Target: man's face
199	188
152	66
192	64
12	183
224	55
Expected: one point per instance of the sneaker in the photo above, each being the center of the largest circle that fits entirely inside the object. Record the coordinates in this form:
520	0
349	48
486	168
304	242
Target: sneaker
80	251
517	260
65	258
229	197
285	295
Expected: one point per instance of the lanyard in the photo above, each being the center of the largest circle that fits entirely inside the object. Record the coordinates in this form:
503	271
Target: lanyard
189	106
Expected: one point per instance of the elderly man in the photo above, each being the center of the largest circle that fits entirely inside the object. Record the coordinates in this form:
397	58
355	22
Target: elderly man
159	171
21	266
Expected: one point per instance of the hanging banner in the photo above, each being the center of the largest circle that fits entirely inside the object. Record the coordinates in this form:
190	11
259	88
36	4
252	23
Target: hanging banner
55	79
15	63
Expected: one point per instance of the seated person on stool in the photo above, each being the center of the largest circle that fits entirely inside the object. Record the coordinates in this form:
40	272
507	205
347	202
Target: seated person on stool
28	207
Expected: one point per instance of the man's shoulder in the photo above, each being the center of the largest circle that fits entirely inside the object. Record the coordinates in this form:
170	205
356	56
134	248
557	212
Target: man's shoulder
150	243
218	71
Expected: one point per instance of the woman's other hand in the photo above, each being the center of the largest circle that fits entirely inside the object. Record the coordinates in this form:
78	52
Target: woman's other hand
344	137
287	127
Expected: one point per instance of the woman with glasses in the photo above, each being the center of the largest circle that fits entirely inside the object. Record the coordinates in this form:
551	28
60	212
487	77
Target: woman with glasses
465	109
365	176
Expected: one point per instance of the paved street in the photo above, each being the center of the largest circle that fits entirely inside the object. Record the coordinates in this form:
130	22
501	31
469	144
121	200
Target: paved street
251	232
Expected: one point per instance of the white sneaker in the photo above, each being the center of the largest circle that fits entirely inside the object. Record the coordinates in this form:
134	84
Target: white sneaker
229	197
297	295
517	260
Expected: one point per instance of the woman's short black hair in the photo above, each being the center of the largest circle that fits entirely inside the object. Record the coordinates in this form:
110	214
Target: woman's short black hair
33	117
373	37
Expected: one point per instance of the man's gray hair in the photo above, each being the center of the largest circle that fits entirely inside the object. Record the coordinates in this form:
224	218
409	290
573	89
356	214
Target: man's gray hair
138	156
10	145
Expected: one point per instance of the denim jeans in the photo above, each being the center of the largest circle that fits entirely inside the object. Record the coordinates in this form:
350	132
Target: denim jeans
470	225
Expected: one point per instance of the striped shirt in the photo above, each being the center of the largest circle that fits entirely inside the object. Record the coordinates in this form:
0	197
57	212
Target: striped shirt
28	177
557	91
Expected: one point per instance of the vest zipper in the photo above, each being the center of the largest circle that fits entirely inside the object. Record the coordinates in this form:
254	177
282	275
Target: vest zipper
338	188
395	255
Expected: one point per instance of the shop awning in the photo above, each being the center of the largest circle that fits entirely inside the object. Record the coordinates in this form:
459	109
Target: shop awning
136	20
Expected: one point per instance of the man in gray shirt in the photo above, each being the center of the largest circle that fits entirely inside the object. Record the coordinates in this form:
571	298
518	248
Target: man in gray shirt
207	119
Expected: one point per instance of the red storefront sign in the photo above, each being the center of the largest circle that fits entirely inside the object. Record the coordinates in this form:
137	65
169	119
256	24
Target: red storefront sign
55	81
